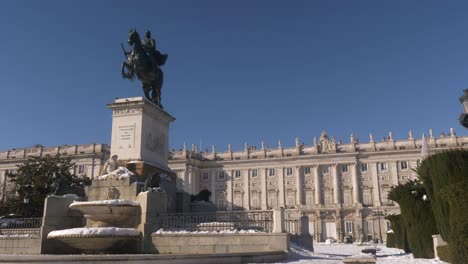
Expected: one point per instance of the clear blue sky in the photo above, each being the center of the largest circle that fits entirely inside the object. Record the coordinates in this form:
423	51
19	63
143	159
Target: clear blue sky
238	71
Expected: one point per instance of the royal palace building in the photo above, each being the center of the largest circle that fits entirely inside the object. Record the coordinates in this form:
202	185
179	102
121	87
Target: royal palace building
341	187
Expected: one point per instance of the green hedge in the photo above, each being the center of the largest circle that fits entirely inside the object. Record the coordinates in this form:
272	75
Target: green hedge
398	238
438	171
444	254
417	216
457	197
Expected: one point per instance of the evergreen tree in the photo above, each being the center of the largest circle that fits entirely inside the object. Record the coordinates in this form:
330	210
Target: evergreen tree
36	178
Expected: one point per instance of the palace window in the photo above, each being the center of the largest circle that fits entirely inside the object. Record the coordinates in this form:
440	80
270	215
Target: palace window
255	200
238	200
347	196
344	168
403	165
307	170
349	227
326	169
291	199
205	176
309	197
81	169
272	199
237	173
328	196
367	196
271	172
363	167
289	171
254	173
221	175
383	166
220	200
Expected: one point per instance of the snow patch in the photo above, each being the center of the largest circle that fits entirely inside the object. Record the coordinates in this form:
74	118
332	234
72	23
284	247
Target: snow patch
108	202
94	231
248	231
119	174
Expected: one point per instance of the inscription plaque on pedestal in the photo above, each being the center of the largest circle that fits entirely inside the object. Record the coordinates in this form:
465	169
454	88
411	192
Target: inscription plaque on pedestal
140	130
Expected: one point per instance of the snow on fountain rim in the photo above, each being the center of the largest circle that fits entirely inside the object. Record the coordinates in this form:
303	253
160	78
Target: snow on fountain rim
120	173
121	202
95	232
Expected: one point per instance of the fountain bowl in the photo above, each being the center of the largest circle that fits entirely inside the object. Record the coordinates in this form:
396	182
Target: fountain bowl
108	213
95	239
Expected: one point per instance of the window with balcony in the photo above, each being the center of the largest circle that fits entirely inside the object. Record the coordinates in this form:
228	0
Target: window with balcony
237	174
271	172
307	170
403	165
254	173
289	171
344	168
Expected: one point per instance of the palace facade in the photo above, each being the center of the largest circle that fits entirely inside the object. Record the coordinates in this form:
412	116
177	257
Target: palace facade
341	187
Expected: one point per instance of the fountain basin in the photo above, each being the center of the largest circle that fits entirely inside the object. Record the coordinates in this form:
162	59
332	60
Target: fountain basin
95	238
108	213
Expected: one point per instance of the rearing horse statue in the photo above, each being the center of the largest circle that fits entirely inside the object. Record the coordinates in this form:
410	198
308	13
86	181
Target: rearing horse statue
144	65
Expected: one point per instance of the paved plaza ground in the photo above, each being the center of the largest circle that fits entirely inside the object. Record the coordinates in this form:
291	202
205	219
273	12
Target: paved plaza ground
334	253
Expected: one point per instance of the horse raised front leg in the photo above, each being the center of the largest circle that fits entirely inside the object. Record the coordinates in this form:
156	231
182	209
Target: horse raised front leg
129	74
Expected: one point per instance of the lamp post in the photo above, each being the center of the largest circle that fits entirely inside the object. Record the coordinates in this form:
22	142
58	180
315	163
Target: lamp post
379	214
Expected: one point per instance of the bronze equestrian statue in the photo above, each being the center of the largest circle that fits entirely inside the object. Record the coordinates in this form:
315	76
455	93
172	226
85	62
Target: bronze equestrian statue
144	61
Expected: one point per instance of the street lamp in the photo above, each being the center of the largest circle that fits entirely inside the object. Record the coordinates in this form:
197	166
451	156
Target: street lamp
379	214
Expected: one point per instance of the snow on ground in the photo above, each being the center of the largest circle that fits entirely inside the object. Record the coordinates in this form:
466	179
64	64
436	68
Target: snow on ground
94	231
334	253
162	231
107	202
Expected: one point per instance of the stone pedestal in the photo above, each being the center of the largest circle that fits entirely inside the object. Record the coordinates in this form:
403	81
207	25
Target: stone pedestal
140	131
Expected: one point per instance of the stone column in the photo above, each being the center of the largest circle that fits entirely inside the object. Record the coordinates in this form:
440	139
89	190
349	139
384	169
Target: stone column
213	186
354	178
281	186
299	184
336	184
317	191
246	196
264	189
375	185
394	173
187	173
229	190
278	220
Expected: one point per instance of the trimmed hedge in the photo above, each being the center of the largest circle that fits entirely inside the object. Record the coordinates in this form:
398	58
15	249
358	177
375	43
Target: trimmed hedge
438	171
417	216
457	197
444	254
399	238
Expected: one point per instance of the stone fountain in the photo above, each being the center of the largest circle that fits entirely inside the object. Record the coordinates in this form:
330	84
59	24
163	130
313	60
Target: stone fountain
124	204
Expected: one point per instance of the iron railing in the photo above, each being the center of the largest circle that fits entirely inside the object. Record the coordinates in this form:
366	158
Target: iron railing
293	227
261	221
20	226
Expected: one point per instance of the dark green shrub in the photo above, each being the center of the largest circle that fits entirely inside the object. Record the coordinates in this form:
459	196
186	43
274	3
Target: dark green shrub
438	171
457	197
444	254
399	233
417	216
391	241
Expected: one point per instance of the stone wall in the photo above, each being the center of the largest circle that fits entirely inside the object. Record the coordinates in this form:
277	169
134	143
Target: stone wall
20	245
214	243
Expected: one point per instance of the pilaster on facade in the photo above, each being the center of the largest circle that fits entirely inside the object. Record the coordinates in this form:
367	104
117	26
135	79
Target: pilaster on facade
299	185
229	190
393	172
336	184
281	186
317	185
375	184
264	189
246	183
355	182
